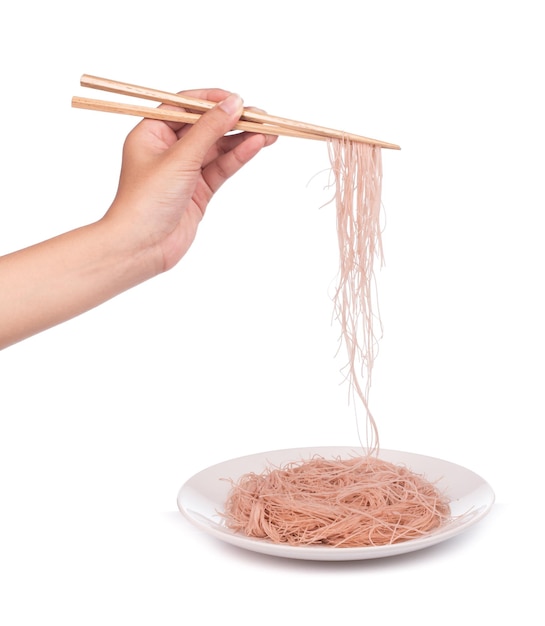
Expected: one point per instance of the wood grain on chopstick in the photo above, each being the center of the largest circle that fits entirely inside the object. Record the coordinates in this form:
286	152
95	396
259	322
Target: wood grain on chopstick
268	124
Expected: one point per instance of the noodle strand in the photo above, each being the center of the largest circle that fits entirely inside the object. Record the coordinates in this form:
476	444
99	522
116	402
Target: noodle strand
357	169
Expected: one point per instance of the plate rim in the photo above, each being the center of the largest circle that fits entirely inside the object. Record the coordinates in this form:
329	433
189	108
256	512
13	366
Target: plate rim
328	553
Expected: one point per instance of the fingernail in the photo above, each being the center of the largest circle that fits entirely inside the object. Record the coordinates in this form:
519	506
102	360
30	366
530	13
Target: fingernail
232	104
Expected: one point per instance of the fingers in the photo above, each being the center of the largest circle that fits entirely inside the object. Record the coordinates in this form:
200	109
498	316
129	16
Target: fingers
210	128
211	95
204	146
244	148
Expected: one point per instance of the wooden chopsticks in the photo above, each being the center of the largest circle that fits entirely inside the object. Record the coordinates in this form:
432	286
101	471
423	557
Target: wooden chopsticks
253	121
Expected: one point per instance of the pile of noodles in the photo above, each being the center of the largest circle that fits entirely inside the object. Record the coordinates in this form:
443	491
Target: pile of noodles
363	501
357	502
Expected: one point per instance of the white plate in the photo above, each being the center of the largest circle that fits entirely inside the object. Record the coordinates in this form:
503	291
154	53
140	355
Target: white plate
204	495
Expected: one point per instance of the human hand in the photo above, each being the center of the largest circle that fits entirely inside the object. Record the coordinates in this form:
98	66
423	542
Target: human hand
170	172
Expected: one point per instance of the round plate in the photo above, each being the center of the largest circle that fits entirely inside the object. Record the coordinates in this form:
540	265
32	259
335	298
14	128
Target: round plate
203	496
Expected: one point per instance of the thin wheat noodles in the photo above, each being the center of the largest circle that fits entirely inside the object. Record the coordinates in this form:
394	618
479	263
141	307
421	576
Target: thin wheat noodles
363	501
357	502
357	171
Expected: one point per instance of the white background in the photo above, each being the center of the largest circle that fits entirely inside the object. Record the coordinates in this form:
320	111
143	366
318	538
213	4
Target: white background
102	419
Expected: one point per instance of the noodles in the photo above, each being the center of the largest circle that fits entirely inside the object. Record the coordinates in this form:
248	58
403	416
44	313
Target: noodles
357	502
361	501
357	168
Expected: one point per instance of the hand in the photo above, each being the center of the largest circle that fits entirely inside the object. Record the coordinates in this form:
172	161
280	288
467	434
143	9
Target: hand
170	172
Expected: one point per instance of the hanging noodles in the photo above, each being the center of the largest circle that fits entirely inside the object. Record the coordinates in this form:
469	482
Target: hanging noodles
357	168
364	501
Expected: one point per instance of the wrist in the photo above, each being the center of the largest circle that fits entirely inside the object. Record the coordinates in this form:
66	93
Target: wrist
130	256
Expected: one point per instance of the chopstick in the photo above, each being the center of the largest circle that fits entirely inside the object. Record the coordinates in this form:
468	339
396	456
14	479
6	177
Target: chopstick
253	121
168	115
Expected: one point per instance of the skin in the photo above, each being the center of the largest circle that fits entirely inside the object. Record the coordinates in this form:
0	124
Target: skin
169	174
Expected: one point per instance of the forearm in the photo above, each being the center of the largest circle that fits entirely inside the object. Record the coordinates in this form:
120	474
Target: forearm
58	279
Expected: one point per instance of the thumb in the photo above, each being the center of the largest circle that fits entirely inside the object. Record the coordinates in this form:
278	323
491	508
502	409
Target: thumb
211	126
